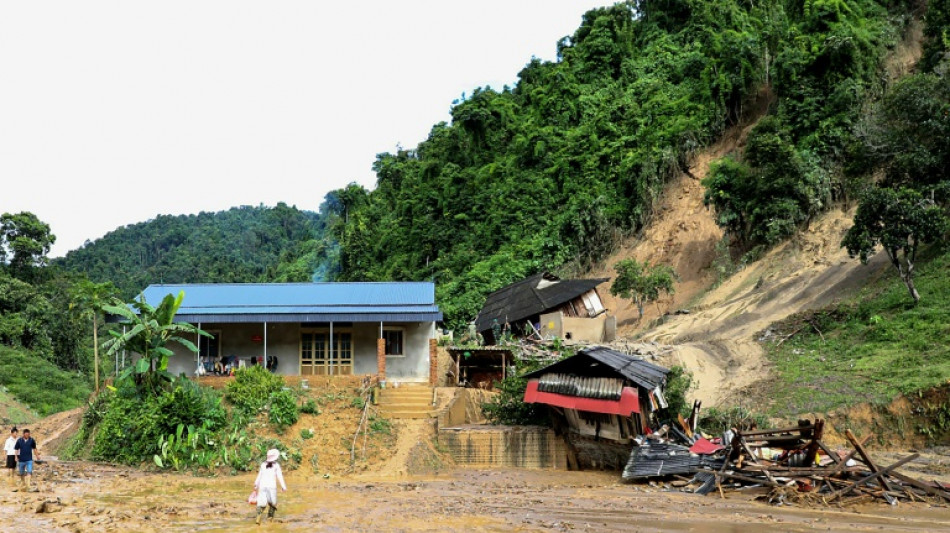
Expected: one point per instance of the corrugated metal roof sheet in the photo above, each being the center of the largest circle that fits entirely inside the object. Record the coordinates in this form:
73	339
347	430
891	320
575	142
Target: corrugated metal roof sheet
591	362
305	302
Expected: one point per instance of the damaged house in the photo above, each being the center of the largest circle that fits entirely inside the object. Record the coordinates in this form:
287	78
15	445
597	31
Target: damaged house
601	400
547	306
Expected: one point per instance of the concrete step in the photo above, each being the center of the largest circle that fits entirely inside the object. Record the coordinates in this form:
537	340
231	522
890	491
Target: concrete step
411	397
426	394
407	390
406	402
404	415
402	406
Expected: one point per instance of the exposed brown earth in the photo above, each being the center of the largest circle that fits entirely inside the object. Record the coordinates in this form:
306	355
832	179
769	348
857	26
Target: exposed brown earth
86	497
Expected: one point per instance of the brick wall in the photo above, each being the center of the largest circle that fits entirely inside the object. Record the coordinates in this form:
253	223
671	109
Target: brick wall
381	358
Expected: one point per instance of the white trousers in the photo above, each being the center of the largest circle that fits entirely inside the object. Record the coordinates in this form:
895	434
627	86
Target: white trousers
267	495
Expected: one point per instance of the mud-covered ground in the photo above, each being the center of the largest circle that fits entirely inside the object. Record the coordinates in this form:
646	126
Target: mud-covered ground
77	497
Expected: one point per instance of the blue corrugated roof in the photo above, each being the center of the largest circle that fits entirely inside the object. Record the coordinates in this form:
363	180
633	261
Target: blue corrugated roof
410	301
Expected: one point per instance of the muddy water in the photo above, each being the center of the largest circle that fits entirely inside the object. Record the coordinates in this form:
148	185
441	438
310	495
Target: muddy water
96	498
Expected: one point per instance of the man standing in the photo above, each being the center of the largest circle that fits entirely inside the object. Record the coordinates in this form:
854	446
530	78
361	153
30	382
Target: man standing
25	449
10	451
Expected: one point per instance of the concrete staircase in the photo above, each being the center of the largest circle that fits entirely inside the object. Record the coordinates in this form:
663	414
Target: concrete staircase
406	401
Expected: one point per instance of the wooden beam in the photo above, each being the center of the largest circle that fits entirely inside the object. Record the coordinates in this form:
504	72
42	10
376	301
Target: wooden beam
880	473
776	432
940	493
867	459
844	461
747	479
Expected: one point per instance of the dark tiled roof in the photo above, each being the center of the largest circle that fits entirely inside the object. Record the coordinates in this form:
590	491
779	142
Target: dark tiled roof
524	299
598	361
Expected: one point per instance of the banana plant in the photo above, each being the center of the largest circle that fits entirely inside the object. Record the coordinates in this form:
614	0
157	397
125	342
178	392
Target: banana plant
148	331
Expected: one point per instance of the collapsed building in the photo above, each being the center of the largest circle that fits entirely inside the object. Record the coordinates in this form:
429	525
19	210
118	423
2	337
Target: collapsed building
601	401
546	307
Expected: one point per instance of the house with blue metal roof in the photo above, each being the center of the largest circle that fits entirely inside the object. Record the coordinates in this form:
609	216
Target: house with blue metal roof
386	329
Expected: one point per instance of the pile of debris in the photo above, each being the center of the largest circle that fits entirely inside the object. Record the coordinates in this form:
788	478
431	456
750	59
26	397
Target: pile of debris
793	463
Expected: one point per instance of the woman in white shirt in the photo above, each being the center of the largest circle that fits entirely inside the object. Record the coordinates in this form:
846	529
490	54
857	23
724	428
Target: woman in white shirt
9	449
266	485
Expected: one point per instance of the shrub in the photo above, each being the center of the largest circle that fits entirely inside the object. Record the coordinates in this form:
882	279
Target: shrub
290	456
380	425
508	406
310	407
132	427
252	387
678	383
283	409
714	420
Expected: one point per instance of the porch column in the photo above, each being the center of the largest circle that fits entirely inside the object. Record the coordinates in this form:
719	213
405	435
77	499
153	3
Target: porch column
381	354
198	355
433	362
265	344
330	352
381	358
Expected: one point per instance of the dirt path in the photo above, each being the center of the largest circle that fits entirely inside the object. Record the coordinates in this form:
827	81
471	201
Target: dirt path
719	339
52	432
97	498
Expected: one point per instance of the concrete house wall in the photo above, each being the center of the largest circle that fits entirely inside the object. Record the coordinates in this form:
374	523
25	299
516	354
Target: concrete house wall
283	341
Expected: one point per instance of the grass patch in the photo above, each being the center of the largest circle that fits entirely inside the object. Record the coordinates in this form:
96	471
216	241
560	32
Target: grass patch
869	349
12	411
41	385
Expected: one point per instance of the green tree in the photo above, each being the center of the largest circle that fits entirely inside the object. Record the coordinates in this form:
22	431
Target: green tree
92	298
642	283
149	330
24	241
899	221
937	33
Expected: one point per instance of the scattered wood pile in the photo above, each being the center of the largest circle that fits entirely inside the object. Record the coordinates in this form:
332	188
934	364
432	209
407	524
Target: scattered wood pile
792	462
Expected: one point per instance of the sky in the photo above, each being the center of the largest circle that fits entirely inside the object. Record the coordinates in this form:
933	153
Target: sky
114	112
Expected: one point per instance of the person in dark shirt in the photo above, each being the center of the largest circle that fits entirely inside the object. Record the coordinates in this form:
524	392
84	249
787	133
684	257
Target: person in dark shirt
25	449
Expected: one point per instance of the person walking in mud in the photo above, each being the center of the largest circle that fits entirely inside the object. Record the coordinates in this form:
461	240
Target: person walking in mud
266	485
9	449
25	448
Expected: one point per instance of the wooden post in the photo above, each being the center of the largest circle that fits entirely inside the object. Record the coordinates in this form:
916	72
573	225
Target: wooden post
867	459
879	474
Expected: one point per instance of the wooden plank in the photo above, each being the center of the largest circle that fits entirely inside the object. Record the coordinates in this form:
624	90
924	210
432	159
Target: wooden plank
881	472
867	458
747	479
934	491
824	471
684	425
830	453
776	432
844	461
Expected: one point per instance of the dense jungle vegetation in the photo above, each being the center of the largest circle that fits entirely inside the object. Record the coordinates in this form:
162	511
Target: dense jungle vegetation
553	170
243	244
46	356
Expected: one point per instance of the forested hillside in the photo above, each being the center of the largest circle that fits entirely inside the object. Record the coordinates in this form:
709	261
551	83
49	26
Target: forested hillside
243	244
553	170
